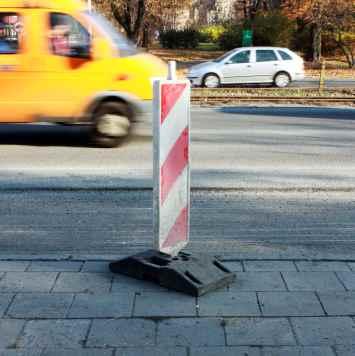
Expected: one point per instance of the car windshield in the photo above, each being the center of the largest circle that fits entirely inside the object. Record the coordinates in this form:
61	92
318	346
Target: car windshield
126	47
224	56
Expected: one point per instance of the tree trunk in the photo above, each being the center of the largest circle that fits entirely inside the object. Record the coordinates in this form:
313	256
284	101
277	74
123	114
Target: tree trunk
347	50
348	54
317	43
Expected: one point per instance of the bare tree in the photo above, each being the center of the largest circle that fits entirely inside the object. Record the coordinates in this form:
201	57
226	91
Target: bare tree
130	14
335	16
249	8
138	17
341	20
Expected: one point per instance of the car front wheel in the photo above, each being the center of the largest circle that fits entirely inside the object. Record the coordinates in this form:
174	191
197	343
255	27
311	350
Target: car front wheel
211	81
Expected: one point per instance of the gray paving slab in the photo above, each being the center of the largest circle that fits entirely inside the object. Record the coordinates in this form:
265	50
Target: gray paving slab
96	266
298	351
152	351
27	281
290	304
314	266
259	331
160	304
102	305
54	334
352	266
127	284
26	352
312	281
225	351
269	266
78	352
40	305
122	333
345	350
191	332
5	300
234	266
14	266
229	304
55	266
9	332
348	279
257	281
72	282
319	331
338	303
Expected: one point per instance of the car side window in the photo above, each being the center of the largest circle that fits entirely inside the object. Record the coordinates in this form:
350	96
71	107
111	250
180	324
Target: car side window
241	57
285	56
265	55
67	37
10	32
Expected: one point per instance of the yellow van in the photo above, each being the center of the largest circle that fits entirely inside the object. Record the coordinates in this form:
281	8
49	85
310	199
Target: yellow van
61	63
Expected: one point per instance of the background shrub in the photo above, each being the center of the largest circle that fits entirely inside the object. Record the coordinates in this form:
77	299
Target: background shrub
303	40
273	29
211	33
187	38
231	37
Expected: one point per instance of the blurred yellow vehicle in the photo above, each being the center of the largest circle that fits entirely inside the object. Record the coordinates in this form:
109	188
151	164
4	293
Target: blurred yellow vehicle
61	63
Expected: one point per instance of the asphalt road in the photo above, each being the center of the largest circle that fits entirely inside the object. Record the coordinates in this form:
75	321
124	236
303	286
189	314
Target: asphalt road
232	147
237	224
267	183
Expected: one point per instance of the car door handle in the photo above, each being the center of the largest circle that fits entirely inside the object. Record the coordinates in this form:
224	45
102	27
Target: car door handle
249	66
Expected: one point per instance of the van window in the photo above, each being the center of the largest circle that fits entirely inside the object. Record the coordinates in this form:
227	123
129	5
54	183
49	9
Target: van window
241	57
265	55
10	32
125	47
68	37
285	56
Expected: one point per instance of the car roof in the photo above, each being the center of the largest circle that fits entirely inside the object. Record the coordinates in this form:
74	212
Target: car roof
45	4
262	47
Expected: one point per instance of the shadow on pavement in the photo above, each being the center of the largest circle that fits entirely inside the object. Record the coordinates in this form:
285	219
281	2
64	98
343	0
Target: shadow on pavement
44	135
53	135
299	112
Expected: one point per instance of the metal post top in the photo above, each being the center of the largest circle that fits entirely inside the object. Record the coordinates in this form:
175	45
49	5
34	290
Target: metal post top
172	70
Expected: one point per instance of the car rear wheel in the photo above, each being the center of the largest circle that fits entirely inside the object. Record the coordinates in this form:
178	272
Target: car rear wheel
282	80
111	124
211	81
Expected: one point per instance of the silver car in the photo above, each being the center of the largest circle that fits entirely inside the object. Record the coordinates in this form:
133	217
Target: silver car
274	65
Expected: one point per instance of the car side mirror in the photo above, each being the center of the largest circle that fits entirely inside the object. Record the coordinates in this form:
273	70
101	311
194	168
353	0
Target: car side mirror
101	49
228	62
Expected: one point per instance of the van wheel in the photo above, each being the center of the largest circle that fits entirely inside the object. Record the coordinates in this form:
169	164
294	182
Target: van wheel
282	80
111	124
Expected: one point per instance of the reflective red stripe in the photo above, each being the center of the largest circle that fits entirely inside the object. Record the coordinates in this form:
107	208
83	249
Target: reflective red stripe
174	164
178	233
170	94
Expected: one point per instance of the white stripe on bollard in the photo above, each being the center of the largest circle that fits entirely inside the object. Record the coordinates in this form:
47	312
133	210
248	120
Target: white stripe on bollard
171	164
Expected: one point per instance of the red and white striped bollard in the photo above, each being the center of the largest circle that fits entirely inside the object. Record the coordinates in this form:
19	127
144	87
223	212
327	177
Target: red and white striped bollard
171	163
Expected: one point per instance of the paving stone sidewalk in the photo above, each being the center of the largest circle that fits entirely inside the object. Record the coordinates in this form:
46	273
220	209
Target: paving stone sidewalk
275	308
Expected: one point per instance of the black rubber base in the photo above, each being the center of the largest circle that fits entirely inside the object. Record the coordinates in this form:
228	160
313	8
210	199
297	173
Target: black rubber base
191	274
